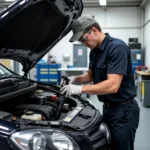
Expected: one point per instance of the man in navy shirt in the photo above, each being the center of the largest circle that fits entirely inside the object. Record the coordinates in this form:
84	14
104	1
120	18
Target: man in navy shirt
113	82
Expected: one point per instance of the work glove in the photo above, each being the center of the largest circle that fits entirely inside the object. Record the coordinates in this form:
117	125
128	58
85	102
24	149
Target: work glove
71	89
67	80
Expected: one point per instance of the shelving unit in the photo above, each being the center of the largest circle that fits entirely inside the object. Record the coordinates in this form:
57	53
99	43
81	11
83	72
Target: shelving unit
48	73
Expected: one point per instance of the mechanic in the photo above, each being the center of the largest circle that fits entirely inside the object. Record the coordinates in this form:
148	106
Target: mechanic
110	70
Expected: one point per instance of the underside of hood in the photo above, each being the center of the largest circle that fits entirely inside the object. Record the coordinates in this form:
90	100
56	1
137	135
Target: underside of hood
29	29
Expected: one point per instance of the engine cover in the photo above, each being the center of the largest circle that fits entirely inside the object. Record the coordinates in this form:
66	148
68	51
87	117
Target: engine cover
81	117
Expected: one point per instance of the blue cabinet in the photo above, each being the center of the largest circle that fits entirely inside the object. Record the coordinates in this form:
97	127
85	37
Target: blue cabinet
48	73
136	58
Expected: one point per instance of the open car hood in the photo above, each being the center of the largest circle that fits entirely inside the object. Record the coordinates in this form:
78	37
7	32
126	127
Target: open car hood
30	28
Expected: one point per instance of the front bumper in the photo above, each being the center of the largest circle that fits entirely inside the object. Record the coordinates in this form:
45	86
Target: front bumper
95	137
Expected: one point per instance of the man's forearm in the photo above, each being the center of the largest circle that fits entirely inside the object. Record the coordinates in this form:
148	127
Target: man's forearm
105	87
84	78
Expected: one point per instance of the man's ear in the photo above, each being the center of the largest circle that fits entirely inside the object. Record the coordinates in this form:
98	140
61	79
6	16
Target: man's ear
95	29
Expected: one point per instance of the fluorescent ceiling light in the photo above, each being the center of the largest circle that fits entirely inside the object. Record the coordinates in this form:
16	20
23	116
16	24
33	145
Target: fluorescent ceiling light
102	2
9	0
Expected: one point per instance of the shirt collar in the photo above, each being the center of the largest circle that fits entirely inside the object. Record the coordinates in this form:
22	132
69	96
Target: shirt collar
104	42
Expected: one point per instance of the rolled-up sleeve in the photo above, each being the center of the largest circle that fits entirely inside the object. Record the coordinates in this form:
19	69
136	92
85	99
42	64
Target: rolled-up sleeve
118	60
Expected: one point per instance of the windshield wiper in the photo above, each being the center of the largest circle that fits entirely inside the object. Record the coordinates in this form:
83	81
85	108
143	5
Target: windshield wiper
9	76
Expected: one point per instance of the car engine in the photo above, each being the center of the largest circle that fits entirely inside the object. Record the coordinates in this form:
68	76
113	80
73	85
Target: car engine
40	103
28	100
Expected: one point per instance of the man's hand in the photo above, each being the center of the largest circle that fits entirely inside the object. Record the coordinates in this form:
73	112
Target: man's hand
71	89
64	81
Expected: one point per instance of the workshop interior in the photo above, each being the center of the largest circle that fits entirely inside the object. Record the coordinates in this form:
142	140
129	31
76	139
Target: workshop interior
36	55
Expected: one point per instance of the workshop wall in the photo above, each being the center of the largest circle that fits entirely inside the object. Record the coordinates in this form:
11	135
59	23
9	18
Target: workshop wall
120	22
147	33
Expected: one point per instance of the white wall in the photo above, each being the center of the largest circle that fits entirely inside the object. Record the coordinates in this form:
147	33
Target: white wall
147	34
120	22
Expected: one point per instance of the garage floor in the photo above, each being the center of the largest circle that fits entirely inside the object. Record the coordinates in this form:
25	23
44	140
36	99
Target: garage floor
142	141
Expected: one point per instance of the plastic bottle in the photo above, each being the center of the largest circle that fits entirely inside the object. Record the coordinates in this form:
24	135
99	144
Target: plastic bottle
31	116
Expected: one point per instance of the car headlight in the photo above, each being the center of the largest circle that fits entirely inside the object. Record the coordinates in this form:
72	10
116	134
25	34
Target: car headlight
61	141
43	139
28	140
37	142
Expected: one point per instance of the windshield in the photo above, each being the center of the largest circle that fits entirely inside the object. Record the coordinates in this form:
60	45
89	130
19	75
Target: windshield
4	71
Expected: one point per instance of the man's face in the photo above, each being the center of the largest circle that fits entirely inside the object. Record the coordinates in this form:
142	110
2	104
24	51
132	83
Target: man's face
89	39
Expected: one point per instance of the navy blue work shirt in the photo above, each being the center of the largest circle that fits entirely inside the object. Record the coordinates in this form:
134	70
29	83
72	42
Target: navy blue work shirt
113	56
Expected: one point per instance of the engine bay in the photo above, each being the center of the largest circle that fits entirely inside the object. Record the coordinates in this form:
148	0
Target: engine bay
43	105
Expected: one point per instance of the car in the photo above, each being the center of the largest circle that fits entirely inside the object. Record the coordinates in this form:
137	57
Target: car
34	115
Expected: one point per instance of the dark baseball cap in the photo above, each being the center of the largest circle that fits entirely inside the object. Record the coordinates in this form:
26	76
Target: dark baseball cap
79	26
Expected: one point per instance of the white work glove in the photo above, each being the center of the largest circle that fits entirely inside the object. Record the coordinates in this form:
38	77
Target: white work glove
63	81
71	89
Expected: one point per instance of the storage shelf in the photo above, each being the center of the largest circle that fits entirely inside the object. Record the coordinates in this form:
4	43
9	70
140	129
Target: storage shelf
48	73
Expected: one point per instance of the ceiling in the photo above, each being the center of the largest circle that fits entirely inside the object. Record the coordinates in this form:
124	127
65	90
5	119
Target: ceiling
114	2
94	3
